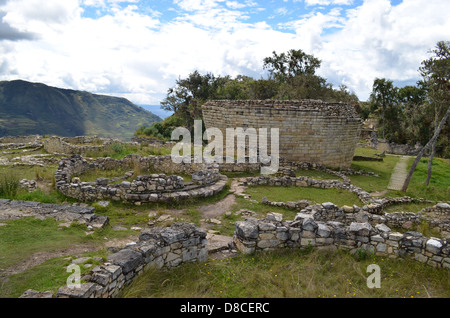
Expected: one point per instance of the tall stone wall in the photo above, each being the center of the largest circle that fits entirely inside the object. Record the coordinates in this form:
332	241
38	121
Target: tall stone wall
309	130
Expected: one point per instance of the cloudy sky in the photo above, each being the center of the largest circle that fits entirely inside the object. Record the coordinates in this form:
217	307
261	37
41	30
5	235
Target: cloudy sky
138	48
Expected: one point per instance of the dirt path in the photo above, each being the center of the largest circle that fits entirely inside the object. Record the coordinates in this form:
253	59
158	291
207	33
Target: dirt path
219	208
399	174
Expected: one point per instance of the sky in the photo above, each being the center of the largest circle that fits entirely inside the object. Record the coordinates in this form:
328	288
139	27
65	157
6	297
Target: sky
137	49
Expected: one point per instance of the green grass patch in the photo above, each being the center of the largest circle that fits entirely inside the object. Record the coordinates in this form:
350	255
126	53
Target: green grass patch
48	276
406	207
292	274
439	186
316	174
29	172
382	168
317	195
21	238
119	151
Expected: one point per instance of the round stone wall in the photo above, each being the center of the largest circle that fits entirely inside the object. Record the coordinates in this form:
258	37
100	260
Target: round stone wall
309	130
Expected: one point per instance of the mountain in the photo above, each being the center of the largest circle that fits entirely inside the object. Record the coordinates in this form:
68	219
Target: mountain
35	108
156	109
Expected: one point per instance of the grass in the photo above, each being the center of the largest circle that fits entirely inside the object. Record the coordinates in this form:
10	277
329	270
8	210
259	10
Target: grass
317	195
50	275
382	168
439	187
21	238
316	174
119	151
292	274
406	207
29	172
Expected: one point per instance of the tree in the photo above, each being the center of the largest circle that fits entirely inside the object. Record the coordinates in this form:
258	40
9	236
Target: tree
422	151
186	98
436	74
288	65
383	96
414	111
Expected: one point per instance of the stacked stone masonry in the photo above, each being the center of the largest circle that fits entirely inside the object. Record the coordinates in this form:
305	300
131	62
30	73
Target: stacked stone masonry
77	145
20	142
157	247
12	209
273	232
309	130
144	189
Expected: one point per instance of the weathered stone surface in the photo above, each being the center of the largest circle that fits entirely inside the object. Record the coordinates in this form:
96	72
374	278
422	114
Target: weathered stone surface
246	229
323	230
274	217
383	228
85	291
361	229
434	246
35	294
309	224
127	259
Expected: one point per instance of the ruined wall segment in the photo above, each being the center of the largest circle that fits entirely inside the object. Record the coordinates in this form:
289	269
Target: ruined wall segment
310	130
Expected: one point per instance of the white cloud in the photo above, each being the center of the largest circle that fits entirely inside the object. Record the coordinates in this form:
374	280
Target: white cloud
380	40
128	53
326	2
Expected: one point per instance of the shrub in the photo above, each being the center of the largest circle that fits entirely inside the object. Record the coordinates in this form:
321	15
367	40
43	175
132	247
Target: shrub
9	185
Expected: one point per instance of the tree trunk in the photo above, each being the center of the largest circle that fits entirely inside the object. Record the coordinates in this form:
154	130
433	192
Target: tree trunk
433	148
430	162
422	151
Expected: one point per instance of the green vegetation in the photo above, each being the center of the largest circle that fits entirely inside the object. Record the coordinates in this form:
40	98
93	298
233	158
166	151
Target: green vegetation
50	275
23	237
439	187
382	168
119	151
293	274
34	108
316	174
316	195
292	76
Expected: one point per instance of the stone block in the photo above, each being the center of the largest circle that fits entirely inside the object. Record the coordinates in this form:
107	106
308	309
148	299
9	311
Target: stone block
127	259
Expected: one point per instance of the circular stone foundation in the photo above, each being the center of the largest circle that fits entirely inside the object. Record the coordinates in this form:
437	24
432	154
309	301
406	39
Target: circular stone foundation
154	187
309	130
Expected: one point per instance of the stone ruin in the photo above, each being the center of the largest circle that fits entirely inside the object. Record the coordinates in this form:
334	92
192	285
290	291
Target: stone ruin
156	187
308	230
309	130
321	226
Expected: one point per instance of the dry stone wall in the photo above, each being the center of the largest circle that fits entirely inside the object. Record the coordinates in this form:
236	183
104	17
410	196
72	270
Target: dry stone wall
144	189
273	232
157	247
309	130
77	145
13	209
20	142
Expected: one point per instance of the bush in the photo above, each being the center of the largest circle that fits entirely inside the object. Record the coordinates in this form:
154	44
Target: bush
9	185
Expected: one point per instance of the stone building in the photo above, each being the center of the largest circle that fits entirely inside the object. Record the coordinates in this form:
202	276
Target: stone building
309	130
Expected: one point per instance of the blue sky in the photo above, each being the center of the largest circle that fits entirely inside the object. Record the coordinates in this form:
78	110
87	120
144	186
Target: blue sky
137	49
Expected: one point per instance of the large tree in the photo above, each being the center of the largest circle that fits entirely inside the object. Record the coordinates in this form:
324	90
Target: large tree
436	77
293	63
383	98
187	96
